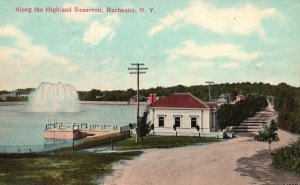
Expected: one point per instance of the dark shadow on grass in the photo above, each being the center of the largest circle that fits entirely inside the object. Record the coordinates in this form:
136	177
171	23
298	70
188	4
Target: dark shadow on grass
260	168
72	168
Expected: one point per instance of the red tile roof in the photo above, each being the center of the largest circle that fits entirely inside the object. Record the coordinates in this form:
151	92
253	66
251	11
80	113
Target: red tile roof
179	100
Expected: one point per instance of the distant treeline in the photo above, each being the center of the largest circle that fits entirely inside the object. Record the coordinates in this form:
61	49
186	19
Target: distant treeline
200	91
98	95
19	94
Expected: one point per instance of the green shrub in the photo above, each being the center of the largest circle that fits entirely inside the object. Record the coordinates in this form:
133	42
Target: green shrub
268	134
288	158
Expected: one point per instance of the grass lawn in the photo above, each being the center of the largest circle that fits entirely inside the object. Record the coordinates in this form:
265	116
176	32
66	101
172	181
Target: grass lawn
80	167
160	142
59	168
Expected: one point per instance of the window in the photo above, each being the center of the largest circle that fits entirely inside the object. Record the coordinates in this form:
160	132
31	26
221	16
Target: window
161	121
193	122
177	121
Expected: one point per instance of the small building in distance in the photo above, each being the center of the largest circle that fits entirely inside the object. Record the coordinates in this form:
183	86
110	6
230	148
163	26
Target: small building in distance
7	96
134	99
3	97
222	99
185	112
240	97
225	98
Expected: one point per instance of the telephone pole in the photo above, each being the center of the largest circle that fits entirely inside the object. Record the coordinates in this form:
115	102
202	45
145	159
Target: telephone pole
136	69
209	89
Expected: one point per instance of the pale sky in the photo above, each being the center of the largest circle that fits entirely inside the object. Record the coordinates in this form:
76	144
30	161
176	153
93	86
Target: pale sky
181	42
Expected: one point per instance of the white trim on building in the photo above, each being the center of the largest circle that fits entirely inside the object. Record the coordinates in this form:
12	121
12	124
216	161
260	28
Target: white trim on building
185	118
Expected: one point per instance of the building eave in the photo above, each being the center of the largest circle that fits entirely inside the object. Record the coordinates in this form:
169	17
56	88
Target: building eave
180	108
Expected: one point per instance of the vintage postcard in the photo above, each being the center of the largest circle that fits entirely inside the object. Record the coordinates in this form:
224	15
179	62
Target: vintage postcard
149	92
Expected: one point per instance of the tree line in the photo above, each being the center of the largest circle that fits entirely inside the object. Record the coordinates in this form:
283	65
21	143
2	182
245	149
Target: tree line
19	93
285	98
199	91
287	103
234	114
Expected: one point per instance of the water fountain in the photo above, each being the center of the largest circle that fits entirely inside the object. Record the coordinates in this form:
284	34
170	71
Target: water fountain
52	97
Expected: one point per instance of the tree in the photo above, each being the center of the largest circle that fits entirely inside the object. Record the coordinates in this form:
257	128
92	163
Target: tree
268	134
143	127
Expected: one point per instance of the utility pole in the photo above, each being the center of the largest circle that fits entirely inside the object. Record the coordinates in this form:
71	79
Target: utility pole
209	89
137	70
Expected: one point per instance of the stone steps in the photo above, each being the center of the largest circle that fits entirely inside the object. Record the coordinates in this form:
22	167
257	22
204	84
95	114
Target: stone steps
254	121
251	124
248	127
245	130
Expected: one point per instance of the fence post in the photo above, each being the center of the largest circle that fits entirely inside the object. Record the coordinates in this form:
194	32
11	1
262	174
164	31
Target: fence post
171	142
112	145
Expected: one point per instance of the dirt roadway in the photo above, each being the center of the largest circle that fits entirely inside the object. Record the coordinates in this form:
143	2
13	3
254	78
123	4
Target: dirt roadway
238	161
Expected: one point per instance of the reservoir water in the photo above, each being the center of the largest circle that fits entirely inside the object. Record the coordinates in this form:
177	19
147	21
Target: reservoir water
18	126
